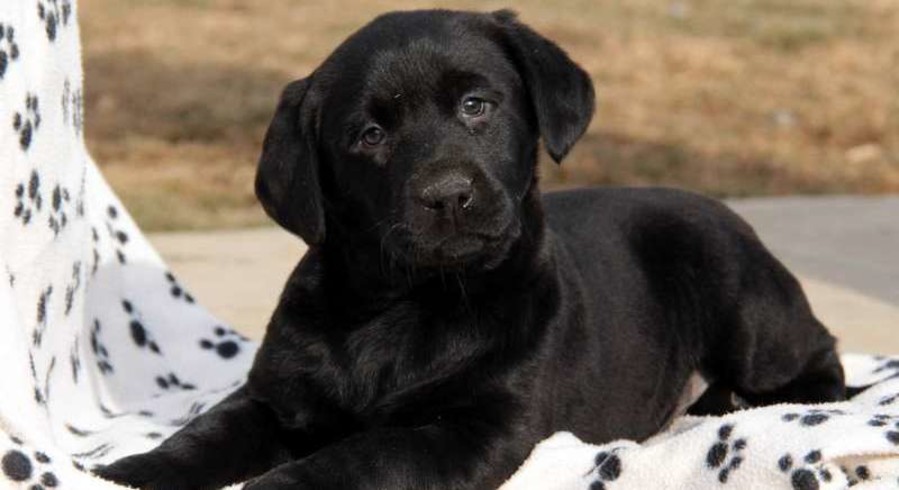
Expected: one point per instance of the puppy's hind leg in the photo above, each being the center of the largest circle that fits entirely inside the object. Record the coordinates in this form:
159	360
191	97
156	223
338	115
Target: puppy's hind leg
773	349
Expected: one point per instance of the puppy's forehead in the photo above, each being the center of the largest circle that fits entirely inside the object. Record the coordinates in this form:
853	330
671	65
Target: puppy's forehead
424	63
408	53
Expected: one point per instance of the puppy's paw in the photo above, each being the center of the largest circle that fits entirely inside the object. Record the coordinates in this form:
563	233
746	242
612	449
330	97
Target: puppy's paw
145	471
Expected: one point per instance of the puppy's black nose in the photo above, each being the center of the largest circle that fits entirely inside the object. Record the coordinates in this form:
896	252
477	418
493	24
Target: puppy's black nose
450	194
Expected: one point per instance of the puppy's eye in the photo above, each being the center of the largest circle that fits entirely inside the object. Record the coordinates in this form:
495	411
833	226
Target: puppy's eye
473	106
373	136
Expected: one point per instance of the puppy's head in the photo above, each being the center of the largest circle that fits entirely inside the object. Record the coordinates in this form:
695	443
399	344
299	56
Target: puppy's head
419	135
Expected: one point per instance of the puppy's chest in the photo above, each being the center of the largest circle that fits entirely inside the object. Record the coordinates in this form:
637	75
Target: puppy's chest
371	368
389	359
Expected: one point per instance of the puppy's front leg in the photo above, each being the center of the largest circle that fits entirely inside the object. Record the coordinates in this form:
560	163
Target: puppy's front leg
441	456
235	440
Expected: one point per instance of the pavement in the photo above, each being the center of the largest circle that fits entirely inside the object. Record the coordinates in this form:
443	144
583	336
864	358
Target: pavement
845	251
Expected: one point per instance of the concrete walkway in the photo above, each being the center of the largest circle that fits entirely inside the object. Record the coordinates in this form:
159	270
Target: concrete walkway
844	249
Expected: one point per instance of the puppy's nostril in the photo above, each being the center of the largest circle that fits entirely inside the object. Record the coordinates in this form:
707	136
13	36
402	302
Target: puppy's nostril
449	195
464	200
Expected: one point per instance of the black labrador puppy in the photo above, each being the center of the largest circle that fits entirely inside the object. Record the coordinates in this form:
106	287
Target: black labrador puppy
448	316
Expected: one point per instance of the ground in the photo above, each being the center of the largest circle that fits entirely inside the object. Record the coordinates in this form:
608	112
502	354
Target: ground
745	97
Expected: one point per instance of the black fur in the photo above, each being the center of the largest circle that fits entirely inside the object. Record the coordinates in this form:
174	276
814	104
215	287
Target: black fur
447	316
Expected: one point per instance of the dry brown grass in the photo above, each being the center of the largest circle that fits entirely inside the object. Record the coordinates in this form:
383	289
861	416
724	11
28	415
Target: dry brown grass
730	98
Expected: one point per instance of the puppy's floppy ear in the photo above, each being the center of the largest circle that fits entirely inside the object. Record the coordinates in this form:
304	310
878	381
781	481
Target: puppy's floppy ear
560	91
287	181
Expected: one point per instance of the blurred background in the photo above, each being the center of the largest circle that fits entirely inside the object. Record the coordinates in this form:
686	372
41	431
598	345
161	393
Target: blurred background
731	98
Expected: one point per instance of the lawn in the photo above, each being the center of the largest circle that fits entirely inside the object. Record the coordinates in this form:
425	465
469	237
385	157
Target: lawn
731	98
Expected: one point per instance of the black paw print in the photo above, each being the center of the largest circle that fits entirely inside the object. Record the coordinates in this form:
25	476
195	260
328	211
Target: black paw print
176	290
99	349
43	302
139	333
19	467
95	452
717	456
26	125
154	436
118	236
892	435
171	382
805	478
860	474
196	408
54	13
881	420
38	393
95	238
9	49
82	191
73	287
812	417
28	198
59	201
891	366
75	360
108	413
225	345
888	400
608	468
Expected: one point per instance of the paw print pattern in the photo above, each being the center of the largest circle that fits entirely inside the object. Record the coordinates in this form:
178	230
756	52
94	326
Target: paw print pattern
37	336
38	394
812	417
139	333
888	400
608	468
99	350
118	236
96	452
72	102
805	477
46	392
109	413
890	367
73	287
717	457
28	199
176	290
19	467
54	14
27	122
859	474
892	435
59	201
75	360
196	408
9	49
225	344
881	420
95	238
171	382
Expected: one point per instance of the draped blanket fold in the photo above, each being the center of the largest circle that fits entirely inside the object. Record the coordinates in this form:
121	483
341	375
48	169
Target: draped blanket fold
104	353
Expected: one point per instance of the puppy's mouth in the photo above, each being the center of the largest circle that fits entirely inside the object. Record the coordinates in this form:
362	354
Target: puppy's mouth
459	248
455	249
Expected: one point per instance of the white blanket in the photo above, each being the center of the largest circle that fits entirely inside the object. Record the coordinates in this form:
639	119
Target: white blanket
104	353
